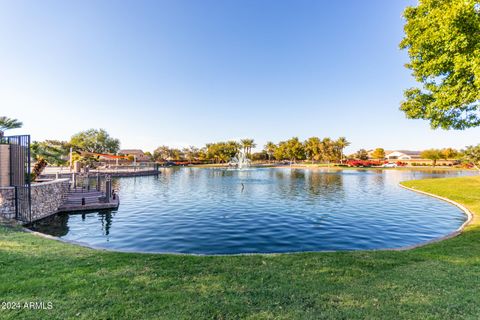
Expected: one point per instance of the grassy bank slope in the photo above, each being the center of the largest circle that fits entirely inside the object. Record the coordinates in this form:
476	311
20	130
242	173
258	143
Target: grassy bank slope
436	281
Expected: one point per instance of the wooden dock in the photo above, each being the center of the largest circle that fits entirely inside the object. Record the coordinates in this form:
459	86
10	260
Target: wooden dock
87	200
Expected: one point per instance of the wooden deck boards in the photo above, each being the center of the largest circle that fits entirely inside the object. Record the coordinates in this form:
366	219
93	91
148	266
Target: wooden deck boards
81	200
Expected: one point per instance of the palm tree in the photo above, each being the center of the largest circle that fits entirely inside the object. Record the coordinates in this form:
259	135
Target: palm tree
8	123
251	146
342	143
247	145
270	148
327	150
51	152
313	148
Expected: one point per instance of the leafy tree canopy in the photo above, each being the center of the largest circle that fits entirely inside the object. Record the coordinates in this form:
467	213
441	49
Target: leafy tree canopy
472	154
222	151
443	41
361	154
294	149
378	153
96	141
432	154
312	148
449	153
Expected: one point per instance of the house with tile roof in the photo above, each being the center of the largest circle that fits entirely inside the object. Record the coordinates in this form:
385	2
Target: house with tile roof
139	155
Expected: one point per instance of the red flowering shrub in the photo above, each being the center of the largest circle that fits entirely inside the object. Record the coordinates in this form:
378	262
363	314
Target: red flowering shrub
364	163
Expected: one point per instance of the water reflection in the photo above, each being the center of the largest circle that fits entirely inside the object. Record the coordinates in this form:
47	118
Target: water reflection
106	218
321	184
262	210
295	183
57	225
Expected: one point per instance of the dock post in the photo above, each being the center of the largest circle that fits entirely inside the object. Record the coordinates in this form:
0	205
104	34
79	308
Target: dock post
108	188
98	182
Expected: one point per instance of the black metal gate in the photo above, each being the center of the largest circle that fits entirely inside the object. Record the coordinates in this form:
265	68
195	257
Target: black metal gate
19	147
23	210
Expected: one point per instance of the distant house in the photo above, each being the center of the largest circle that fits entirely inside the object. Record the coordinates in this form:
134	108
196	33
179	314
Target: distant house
402	155
410	158
139	155
399	155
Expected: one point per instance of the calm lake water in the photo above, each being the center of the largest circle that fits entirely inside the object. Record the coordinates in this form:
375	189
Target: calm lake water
220	211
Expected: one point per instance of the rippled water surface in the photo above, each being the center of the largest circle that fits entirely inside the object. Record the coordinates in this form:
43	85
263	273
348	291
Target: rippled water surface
218	211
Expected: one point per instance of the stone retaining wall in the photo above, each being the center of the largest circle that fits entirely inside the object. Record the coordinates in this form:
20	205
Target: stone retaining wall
47	197
7	202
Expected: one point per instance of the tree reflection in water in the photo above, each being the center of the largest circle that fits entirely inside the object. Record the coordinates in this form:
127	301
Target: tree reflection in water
317	184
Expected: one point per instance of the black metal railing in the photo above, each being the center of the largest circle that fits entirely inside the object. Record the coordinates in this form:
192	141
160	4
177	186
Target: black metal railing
23	207
86	182
125	168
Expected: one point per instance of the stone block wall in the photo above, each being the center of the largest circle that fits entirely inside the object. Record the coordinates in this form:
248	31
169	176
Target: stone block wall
7	202
47	197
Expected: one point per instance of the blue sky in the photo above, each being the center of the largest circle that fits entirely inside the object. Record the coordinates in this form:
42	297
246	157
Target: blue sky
190	72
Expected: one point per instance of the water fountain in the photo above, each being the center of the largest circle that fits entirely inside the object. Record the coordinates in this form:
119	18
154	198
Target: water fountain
240	161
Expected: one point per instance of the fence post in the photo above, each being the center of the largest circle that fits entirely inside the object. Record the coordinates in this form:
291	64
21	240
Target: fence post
16	203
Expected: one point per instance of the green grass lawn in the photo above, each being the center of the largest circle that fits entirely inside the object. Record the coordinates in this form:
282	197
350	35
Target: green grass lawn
438	281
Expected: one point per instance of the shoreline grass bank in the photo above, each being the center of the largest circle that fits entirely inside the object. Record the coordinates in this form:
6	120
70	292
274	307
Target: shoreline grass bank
439	280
